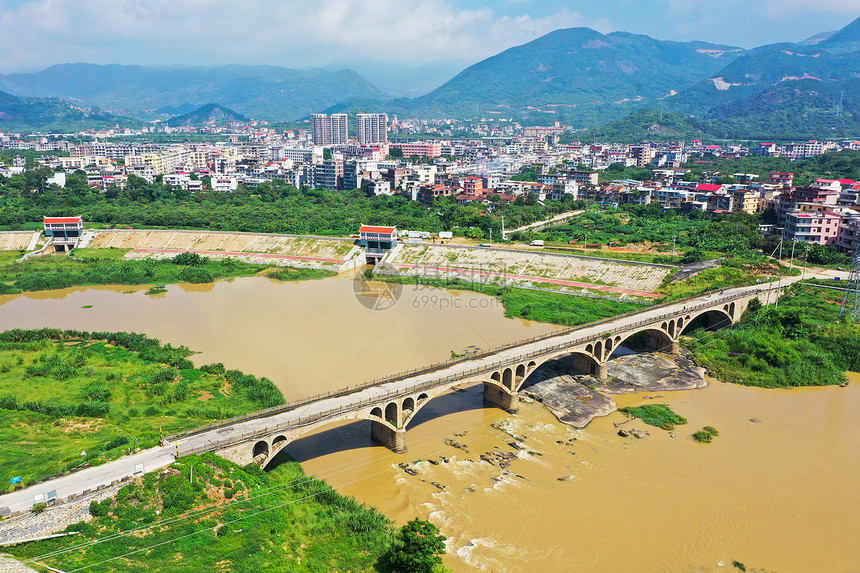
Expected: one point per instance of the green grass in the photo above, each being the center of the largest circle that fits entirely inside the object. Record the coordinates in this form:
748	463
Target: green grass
245	520
63	393
539	306
732	272
109	253
7	257
56	271
659	415
798	344
299	274
706	435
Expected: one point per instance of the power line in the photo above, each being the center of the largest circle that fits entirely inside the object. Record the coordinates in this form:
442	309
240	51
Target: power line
305	479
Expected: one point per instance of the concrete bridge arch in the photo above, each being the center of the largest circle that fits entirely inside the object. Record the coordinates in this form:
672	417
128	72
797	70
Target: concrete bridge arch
392	406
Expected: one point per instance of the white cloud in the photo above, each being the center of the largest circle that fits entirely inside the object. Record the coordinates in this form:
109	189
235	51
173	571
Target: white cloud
290	32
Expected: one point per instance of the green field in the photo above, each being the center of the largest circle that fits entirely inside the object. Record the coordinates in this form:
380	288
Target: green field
106	267
63	393
222	518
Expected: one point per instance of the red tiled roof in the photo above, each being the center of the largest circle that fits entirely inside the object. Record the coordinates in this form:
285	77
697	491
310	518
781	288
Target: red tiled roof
708	187
57	220
371	229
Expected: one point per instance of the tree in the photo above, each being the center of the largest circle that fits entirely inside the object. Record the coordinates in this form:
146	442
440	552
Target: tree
36	177
418	549
326	153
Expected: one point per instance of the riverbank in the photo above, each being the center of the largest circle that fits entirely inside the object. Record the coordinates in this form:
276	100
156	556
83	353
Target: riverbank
88	398
211	515
797	343
50	272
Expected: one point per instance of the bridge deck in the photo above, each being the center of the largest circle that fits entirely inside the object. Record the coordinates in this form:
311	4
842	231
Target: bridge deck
336	406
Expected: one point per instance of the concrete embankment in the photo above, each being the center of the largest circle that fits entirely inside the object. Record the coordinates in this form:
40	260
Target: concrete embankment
331	253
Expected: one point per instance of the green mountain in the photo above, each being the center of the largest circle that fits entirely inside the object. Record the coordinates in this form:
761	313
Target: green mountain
575	74
263	92
53	115
646	125
800	109
831	60
843	41
209	115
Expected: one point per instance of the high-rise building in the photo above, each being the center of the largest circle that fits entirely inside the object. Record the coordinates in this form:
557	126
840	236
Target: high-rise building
372	128
329	130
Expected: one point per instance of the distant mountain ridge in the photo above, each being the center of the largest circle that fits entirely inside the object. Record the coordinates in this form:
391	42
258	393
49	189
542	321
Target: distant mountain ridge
262	92
577	76
209	115
53	114
805	89
574	73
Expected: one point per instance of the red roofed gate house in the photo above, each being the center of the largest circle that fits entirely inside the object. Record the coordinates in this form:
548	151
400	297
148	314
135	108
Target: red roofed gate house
64	232
377	241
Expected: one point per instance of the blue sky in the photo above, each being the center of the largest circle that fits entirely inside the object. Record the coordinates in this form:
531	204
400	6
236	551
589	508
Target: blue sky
299	33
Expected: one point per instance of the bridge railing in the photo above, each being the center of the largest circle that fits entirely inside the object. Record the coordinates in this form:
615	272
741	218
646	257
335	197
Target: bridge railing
460	375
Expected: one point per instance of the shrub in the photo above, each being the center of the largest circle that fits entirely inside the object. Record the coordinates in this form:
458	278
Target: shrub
418	549
100	509
706	435
189	260
217	368
39	507
116	442
195	275
97	392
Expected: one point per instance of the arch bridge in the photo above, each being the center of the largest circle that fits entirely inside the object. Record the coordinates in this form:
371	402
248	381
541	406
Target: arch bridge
392	405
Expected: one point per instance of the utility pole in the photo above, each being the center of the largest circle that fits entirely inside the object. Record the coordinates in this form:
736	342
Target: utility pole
673	244
791	260
503	227
805	257
585	245
851	302
779	276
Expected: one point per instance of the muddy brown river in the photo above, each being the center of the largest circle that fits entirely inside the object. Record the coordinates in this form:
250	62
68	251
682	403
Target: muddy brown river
523	492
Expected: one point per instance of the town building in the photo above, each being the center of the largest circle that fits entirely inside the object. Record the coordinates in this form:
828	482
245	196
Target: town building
329	130
372	128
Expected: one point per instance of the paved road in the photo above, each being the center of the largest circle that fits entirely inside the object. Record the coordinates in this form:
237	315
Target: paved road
90	478
557	219
159	457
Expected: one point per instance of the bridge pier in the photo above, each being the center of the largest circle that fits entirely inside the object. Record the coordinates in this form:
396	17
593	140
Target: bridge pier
393	439
602	371
494	396
675	349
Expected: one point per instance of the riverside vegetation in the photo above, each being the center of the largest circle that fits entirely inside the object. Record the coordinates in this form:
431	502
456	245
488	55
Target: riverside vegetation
540	306
797	344
106	266
204	513
70	399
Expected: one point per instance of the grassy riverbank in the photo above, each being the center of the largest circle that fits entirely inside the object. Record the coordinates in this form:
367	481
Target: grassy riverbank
798	344
106	268
299	274
221	517
540	306
63	393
